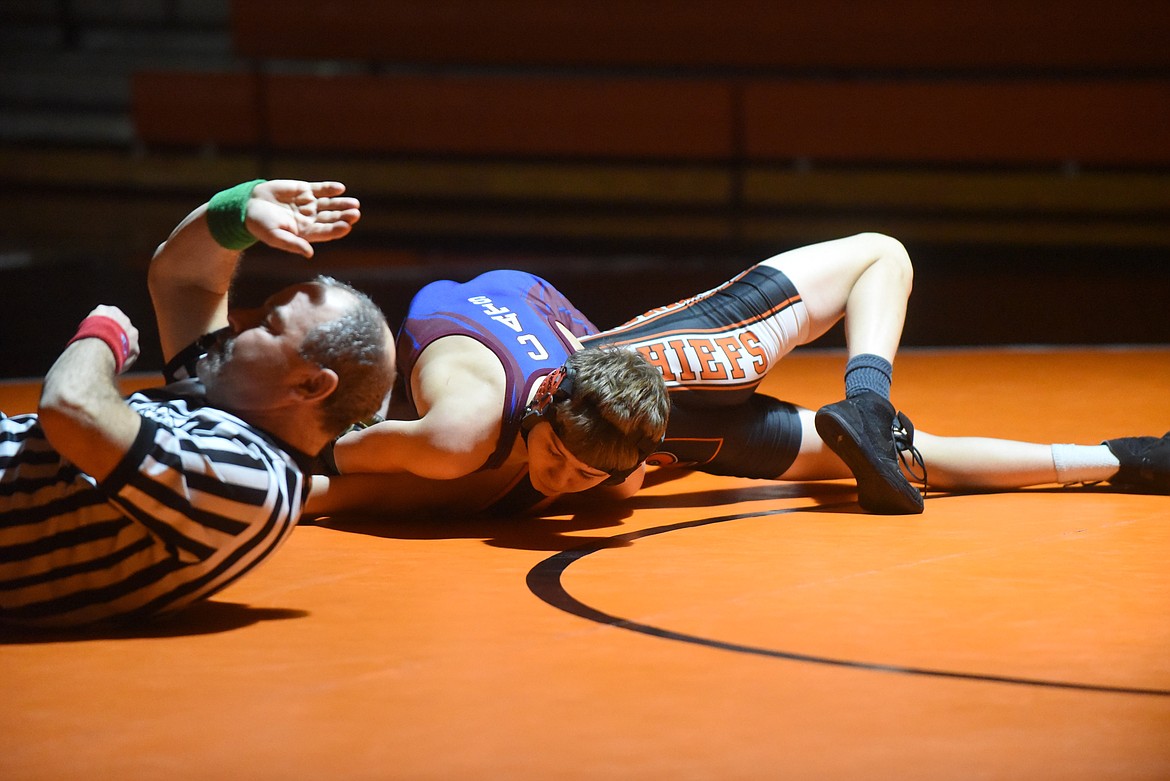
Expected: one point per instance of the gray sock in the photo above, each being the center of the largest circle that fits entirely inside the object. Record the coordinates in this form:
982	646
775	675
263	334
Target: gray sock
868	372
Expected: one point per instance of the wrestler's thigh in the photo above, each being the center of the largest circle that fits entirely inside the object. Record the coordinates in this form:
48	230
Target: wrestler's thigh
758	438
826	273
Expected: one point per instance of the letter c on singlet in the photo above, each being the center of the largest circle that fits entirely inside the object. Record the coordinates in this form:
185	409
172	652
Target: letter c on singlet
531	340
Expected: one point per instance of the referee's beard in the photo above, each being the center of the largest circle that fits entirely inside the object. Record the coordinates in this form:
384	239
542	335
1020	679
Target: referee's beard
210	368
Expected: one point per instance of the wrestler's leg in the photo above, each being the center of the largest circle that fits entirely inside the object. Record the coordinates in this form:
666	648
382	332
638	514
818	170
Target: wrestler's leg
763	438
867	280
864	278
971	463
767	438
814	461
989	464
956	463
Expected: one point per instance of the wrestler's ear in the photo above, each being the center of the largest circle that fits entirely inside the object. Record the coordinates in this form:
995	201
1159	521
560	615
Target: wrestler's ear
317	384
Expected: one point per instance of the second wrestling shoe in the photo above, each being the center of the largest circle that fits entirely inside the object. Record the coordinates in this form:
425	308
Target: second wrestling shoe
868	435
1145	463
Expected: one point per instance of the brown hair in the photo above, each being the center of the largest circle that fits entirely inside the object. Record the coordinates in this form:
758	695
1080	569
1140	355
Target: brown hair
618	409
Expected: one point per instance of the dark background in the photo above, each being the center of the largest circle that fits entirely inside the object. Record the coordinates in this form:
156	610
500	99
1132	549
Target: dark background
631	152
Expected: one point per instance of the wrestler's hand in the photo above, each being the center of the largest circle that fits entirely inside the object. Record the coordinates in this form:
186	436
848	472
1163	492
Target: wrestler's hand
119	317
291	215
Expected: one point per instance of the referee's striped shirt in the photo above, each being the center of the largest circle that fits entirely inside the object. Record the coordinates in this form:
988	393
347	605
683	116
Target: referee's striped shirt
200	499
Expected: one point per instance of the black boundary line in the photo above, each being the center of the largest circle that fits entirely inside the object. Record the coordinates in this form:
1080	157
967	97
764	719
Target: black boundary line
544	581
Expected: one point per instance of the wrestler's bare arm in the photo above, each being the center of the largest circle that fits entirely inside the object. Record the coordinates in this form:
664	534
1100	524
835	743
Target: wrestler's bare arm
458	386
404	495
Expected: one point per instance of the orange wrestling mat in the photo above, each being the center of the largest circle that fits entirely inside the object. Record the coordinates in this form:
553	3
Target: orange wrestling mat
712	628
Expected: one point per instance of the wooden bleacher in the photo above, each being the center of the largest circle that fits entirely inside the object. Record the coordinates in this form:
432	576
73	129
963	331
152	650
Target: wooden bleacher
683	126
1090	121
1033	132
717	122
457	153
835	36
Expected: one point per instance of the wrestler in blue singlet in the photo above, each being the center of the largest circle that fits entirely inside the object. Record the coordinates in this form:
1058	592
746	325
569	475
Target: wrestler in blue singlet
713	349
513	314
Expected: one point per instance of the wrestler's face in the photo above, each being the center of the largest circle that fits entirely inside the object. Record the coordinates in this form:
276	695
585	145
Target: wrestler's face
553	469
256	362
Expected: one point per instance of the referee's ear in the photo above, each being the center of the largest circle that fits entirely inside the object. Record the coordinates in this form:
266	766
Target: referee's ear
317	385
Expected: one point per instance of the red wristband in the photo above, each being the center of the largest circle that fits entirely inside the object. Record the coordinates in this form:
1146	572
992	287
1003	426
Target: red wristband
108	330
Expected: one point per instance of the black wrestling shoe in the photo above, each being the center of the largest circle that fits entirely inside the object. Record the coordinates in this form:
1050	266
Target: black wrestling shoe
1145	463
869	436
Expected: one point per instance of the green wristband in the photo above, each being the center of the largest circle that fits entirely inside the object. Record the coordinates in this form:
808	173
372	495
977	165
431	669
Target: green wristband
226	213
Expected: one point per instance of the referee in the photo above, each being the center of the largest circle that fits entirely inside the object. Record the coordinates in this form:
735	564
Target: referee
118	510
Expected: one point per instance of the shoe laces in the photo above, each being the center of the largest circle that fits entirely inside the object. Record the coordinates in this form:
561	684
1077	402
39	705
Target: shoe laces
908	455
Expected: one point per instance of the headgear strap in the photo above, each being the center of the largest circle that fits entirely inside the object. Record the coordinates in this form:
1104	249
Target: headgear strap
556	386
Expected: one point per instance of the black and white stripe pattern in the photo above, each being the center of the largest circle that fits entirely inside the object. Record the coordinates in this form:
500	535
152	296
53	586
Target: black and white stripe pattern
199	500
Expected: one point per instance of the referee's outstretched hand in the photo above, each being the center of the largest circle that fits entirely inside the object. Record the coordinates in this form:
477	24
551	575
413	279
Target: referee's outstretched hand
292	215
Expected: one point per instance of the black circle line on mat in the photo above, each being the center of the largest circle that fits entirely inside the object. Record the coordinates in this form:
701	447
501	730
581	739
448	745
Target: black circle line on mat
544	580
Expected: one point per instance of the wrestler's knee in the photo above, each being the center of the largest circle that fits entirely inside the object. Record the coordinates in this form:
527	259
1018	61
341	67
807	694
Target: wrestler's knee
892	253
